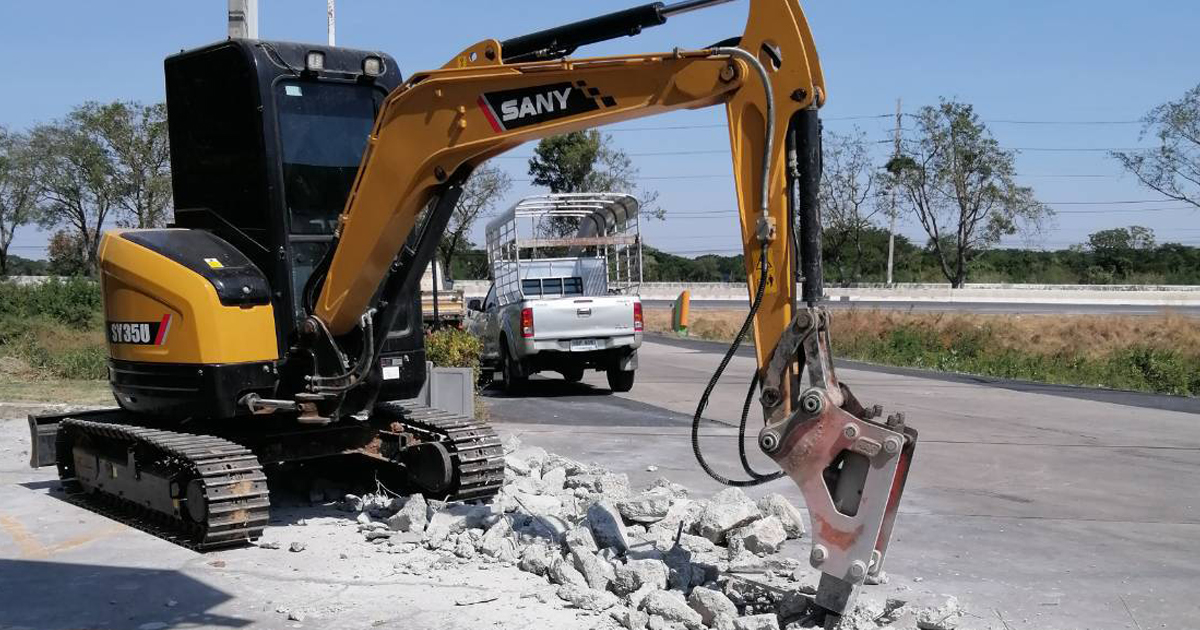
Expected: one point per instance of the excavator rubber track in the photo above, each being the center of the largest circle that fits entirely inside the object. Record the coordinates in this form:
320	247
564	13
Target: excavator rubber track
476	454
225	476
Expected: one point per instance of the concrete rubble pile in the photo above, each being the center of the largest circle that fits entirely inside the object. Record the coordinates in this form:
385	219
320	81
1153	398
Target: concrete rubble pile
652	558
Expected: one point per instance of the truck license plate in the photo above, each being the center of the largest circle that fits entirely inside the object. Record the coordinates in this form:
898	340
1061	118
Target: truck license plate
582	345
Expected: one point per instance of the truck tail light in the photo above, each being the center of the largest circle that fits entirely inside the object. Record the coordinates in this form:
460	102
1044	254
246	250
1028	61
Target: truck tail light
527	322
637	317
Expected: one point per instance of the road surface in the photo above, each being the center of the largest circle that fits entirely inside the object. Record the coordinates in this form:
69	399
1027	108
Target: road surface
982	308
1038	510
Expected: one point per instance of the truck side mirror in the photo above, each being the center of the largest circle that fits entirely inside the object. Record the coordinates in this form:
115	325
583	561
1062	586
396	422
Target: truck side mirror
475	304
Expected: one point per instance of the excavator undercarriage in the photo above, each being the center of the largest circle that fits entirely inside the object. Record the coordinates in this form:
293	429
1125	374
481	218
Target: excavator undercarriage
206	488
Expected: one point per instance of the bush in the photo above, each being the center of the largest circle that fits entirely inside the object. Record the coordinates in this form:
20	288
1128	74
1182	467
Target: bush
76	302
450	347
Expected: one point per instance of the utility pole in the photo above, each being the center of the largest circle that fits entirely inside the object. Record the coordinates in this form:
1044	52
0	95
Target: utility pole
243	19
330	13
892	228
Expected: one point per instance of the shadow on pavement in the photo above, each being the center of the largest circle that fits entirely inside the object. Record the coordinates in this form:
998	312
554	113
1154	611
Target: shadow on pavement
45	595
547	388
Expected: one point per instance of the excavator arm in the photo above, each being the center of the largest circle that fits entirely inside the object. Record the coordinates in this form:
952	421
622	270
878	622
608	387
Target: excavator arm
439	125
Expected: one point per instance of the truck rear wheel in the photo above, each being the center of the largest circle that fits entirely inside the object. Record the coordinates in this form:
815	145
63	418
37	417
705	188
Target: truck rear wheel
620	380
513	381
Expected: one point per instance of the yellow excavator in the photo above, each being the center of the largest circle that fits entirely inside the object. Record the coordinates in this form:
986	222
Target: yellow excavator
278	321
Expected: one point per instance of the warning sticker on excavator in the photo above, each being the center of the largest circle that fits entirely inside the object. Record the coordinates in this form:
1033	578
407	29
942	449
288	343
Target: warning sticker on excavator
214	263
772	285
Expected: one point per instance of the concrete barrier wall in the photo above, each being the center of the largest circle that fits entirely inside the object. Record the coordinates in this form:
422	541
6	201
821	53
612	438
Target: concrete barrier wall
1183	295
1150	295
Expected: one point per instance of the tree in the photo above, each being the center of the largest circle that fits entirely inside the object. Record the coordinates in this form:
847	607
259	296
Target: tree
845	198
1115	250
18	190
486	186
67	255
586	161
79	185
1172	168
134	136
960	185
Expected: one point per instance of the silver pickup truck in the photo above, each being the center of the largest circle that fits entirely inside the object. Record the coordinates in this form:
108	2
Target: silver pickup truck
563	304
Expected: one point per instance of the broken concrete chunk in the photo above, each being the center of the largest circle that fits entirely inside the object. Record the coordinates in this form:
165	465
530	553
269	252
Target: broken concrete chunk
635	574
636	598
662	484
607	528
517	465
757	622
538	504
587	598
596	572
659	623
762	536
865	614
562	573
944	617
412	517
728	509
778	505
497	542
628	618
296	547
511	444
710	604
683	511
544	528
613	486
670	605
696	544
648	507
723	622
580	537
534	456
537	559
553	480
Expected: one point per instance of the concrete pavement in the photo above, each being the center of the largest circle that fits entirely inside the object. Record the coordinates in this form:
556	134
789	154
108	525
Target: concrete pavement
1038	510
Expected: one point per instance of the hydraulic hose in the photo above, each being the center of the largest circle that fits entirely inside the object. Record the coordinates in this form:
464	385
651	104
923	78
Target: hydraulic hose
755	477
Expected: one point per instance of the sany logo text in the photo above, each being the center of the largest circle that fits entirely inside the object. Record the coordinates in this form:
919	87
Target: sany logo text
545	102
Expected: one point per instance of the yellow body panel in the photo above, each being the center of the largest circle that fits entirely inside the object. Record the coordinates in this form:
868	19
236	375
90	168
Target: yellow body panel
141	285
433	124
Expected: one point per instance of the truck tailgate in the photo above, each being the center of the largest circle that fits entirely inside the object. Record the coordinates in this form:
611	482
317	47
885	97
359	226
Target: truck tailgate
583	317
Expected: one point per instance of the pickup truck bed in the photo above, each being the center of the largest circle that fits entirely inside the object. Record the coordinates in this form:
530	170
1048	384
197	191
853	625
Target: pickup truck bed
566	335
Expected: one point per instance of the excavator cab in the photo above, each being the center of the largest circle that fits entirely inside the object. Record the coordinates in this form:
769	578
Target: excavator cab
266	140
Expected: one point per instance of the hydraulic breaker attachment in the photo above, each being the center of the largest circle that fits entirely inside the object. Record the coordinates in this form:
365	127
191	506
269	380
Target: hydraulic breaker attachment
850	467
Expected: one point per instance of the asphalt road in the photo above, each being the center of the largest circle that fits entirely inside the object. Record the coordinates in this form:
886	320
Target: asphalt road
1038	510
995	308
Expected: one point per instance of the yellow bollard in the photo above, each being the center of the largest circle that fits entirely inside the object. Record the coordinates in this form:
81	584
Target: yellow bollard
679	313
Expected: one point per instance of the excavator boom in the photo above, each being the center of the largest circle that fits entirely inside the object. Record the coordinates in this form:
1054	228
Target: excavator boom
439	125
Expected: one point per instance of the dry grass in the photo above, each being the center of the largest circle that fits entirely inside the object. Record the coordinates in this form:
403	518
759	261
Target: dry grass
1089	335
1158	353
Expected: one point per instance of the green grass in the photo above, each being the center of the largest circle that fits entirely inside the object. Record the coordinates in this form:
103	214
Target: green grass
1137	367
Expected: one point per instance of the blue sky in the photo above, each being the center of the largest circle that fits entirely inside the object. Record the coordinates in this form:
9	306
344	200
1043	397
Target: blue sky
1035	62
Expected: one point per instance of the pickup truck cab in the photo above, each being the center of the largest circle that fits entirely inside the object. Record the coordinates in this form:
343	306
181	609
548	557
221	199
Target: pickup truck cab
563	313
